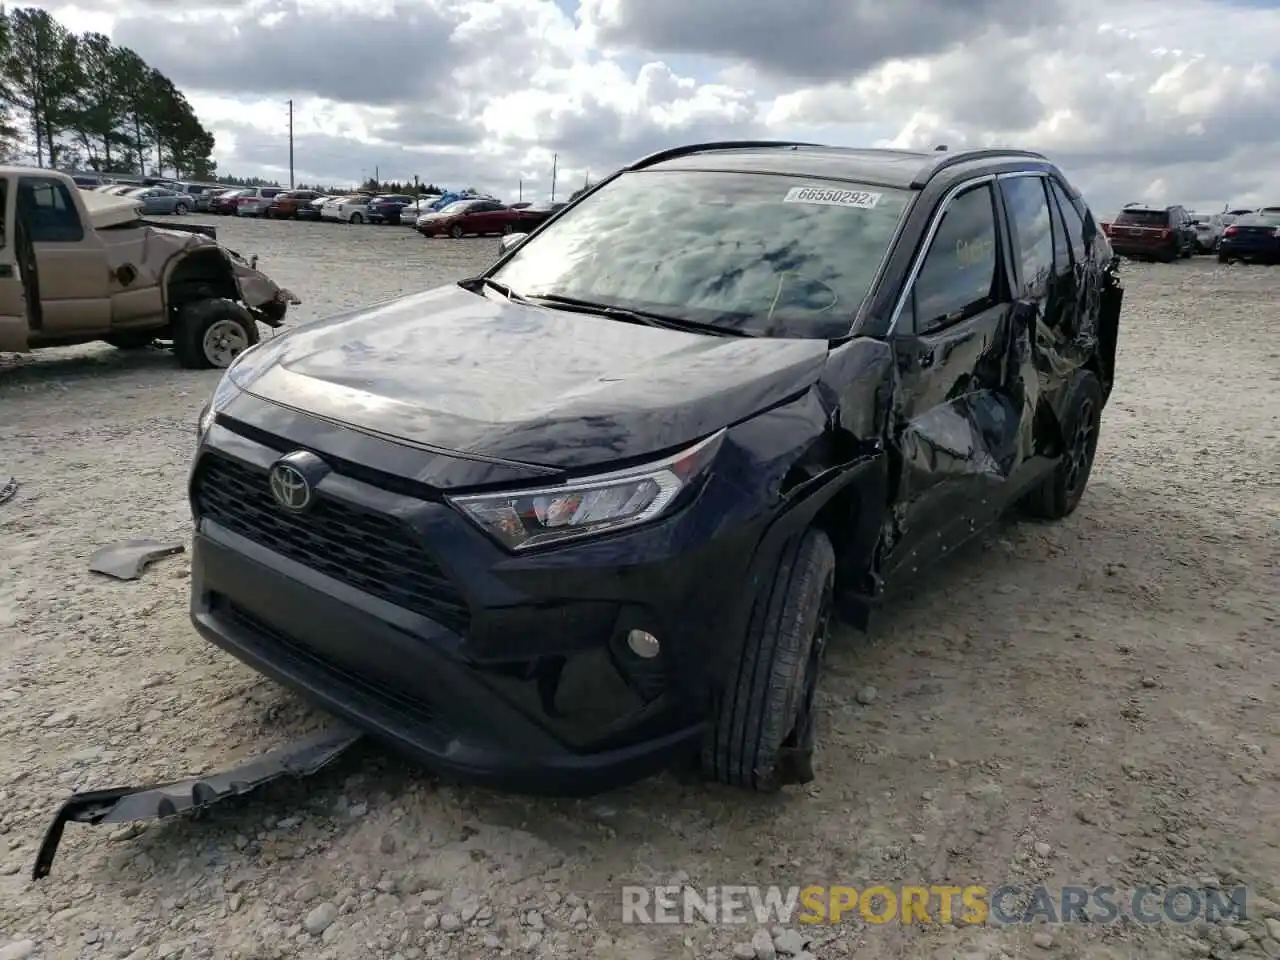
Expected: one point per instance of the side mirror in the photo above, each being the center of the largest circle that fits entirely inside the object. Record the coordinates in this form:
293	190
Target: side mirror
510	241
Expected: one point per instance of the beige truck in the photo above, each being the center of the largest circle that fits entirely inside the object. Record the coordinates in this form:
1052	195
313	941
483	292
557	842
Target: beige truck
78	266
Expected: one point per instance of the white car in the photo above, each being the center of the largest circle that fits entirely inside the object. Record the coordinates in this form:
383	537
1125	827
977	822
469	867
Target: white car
410	214
255	204
353	208
1209	227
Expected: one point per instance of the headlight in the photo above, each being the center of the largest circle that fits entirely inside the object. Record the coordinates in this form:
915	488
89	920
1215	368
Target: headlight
223	394
592	505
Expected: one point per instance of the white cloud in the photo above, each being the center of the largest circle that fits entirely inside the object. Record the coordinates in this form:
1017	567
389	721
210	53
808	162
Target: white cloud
1133	98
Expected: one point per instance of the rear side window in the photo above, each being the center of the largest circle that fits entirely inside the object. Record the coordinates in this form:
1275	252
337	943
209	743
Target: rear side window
958	275
1072	221
1032	230
49	211
270	191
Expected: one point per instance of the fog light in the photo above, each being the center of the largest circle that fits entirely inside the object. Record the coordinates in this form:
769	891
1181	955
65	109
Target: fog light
642	644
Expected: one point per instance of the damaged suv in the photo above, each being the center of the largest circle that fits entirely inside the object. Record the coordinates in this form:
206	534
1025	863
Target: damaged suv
556	525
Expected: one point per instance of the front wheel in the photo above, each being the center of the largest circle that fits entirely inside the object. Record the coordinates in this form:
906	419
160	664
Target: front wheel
356	218
181	209
1060	492
455	232
212	333
762	726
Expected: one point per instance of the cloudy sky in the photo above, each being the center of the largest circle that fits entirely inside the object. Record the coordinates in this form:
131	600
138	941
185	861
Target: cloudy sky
1161	100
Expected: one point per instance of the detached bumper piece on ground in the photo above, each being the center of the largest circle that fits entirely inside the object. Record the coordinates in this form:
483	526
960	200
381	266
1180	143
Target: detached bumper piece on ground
302	758
552	526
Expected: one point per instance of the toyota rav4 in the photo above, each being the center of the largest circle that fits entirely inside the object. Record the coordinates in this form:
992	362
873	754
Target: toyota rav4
556	525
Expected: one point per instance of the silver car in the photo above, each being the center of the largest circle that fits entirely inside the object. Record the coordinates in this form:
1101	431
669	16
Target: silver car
162	200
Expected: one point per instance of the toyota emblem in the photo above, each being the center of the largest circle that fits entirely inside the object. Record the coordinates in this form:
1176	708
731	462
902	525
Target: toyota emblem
290	487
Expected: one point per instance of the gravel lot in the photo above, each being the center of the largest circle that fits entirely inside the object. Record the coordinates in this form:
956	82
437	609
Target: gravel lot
1085	703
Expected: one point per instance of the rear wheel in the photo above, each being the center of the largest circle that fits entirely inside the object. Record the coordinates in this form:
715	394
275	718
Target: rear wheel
762	727
181	209
212	333
1060	492
356	218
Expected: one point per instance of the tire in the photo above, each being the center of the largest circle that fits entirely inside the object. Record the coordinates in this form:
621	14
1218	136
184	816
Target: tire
508	229
761	732
356	219
132	339
201	322
1060	492
456	232
1223	258
181	209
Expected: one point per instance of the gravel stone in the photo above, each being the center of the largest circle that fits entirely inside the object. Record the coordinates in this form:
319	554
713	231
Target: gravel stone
763	946
319	919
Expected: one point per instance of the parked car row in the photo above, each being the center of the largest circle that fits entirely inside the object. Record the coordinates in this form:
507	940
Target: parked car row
450	214
1145	232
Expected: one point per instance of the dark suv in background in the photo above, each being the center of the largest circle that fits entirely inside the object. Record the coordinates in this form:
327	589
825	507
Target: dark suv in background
1152	233
551	526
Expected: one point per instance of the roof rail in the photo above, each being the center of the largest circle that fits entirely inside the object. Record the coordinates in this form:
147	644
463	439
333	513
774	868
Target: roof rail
949	159
672	153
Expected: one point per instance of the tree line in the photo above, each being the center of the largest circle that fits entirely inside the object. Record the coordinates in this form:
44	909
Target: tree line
83	101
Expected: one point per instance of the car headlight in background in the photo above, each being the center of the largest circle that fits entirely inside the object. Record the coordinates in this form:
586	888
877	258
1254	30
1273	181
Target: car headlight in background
522	519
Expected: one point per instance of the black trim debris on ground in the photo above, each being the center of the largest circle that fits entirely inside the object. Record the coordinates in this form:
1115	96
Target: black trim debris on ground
301	758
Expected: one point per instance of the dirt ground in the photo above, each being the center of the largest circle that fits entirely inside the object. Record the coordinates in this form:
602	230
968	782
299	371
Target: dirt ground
1087	703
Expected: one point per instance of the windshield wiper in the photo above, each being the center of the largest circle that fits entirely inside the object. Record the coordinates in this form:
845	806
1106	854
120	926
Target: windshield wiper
634	316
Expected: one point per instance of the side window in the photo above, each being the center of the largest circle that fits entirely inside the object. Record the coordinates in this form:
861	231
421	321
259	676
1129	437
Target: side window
1033	236
49	211
1061	251
958	275
1072	220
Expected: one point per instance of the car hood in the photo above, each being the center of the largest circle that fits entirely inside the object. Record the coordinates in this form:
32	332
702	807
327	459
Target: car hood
459	372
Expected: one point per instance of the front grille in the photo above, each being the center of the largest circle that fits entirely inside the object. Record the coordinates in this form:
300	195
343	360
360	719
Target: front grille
414	707
367	550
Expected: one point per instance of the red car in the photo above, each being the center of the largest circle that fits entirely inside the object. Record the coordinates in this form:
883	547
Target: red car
481	217
225	203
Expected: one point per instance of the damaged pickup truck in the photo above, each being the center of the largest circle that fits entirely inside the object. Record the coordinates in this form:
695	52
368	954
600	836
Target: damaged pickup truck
79	266
553	526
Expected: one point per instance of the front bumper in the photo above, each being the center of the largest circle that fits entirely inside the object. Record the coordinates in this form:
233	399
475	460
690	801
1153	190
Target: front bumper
530	687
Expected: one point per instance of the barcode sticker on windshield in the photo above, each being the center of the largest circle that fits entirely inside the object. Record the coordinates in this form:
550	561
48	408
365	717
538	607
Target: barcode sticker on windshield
858	199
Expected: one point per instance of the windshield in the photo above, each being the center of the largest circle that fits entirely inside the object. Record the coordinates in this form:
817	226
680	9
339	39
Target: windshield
457	206
763	254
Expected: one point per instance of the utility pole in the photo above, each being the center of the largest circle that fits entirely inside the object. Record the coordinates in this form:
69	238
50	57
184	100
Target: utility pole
290	144
520	197
555	162
377	177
